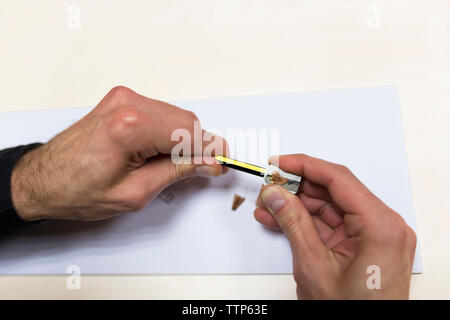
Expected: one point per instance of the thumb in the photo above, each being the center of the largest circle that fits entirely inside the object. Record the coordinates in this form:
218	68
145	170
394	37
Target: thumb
184	171
295	220
164	172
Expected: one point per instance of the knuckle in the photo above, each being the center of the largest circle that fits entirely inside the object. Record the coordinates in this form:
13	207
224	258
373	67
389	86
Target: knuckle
120	93
288	217
123	120
302	155
176	172
402	231
412	237
343	169
290	223
398	229
191	116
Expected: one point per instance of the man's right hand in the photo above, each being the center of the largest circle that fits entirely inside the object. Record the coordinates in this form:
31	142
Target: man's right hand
115	159
339	233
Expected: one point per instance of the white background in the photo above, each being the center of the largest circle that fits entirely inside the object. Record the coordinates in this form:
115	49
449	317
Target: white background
176	50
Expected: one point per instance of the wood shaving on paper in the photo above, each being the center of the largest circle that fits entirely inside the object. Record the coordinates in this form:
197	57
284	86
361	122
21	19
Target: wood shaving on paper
237	201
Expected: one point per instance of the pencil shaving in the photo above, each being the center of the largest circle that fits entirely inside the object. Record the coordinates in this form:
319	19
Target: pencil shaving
237	201
277	179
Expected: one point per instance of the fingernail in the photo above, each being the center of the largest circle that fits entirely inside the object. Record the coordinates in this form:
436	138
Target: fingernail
273	198
274	160
206	171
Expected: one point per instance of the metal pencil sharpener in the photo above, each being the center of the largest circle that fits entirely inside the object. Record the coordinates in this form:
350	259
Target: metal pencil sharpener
289	181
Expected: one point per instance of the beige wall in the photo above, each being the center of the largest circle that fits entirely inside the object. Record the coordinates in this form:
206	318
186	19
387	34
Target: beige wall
177	49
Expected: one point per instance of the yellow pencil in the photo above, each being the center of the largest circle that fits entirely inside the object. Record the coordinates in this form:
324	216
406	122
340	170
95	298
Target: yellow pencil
242	166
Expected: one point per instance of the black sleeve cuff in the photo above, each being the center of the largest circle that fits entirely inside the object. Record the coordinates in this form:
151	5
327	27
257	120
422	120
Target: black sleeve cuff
9	219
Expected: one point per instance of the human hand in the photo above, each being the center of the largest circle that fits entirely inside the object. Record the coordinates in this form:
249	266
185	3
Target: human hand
115	159
336	229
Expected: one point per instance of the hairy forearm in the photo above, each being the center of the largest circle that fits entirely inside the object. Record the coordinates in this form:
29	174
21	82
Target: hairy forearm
28	190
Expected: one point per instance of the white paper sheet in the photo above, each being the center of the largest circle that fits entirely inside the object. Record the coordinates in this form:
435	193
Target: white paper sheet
197	232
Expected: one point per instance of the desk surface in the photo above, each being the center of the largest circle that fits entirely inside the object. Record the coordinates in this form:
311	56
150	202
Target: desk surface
70	53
